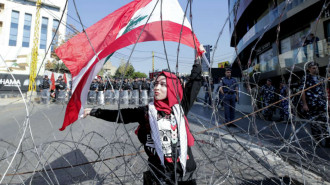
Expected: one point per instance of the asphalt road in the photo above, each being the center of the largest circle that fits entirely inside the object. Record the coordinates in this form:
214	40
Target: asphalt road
93	151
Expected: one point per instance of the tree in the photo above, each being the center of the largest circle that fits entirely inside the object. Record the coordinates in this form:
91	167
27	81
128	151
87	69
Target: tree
139	75
121	69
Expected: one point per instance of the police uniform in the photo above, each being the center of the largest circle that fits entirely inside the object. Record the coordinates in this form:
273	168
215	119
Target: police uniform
44	87
61	85
268	96
126	86
229	86
136	85
100	93
92	92
316	102
284	111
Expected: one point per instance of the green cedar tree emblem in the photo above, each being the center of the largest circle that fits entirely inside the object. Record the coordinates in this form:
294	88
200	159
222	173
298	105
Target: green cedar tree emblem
133	23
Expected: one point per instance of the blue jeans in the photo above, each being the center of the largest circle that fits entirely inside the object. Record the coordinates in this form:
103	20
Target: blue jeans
229	102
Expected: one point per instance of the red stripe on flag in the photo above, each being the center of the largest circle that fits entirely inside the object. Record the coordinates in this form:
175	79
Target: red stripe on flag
77	52
153	32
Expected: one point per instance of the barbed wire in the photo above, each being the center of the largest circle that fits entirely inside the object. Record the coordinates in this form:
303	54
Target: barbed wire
93	151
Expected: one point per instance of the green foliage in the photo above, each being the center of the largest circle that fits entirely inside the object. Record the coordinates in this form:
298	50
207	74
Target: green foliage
139	75
121	69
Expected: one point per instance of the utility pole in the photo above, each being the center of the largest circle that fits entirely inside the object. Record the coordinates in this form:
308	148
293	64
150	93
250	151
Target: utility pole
153	62
34	56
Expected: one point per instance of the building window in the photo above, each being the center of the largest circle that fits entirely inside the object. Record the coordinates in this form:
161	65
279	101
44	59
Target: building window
27	30
2	7
13	28
1	27
55	25
43	35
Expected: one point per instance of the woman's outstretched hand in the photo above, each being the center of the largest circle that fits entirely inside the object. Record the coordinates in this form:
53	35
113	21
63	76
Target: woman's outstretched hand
87	111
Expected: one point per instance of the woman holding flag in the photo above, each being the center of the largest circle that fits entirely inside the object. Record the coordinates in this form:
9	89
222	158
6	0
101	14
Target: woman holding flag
163	128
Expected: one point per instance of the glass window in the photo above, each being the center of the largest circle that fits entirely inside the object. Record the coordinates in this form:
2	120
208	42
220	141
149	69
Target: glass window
265	60
285	45
27	30
55	25
43	35
13	28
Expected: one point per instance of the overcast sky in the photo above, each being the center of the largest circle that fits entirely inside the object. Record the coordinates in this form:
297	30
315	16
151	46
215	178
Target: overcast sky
209	17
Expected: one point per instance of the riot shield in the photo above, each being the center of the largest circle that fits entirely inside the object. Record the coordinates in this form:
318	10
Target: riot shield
61	97
116	97
124	97
107	97
91	97
151	95
144	97
45	95
100	98
135	97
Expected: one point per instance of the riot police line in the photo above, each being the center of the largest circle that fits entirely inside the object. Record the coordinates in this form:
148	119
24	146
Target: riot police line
125	97
113	91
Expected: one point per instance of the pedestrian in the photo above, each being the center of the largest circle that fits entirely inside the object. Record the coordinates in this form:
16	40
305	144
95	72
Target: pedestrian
60	87
284	105
45	89
268	96
229	91
164	129
314	103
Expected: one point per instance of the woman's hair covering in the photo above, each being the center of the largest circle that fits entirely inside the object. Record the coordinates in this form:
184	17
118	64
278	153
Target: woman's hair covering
174	88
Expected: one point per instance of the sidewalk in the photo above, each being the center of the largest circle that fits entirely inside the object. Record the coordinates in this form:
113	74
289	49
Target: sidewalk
291	141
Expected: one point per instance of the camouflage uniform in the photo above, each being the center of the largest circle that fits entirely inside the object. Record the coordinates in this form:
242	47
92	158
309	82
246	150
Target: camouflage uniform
284	111
316	102
268	96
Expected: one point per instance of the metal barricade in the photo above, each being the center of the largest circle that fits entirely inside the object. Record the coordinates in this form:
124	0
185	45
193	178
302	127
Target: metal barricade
124	97
91	97
144	97
135	97
107	97
115	99
100	97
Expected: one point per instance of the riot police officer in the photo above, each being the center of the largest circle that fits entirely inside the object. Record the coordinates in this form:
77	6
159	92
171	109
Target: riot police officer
136	87
45	89
60	86
314	103
92	91
100	91
268	96
126	85
144	84
229	90
284	105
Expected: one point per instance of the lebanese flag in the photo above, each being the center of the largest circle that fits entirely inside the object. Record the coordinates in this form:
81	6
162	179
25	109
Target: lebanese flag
52	79
138	21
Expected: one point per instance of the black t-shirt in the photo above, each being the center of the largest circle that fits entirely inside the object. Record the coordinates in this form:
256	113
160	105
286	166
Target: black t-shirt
140	115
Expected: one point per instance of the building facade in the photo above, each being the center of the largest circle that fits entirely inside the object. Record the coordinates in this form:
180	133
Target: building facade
272	36
17	22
